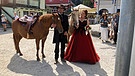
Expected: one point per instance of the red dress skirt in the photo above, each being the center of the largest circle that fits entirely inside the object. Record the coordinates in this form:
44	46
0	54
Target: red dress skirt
80	48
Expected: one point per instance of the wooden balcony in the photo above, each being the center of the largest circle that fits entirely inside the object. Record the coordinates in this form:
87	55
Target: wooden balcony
20	3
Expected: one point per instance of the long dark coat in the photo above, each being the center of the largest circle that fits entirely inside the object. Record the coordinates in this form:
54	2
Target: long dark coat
58	37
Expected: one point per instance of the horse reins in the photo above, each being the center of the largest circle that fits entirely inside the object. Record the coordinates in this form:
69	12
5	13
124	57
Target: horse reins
53	20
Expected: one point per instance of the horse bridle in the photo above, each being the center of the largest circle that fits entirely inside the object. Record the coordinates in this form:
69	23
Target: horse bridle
74	22
53	19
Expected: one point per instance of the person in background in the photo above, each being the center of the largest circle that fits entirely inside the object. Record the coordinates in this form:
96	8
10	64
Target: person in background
116	26
15	16
104	28
80	47
4	22
61	37
31	17
112	27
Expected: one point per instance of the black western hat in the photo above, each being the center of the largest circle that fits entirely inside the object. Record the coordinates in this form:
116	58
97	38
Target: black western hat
62	7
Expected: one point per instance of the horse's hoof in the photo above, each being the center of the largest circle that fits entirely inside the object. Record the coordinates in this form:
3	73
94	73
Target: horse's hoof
21	54
38	59
43	56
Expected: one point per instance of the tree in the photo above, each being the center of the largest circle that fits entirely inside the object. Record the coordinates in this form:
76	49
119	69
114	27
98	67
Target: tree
77	2
89	3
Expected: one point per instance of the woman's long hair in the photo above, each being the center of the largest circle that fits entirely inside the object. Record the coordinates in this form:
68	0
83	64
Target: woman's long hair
86	13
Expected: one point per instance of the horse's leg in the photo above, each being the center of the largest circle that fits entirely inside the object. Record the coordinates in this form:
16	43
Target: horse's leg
43	41
17	39
37	46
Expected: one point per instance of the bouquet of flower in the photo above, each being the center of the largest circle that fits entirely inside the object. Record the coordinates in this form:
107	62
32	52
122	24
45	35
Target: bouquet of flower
87	28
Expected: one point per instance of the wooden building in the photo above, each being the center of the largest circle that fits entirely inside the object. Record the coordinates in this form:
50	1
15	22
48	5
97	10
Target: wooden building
21	7
55	3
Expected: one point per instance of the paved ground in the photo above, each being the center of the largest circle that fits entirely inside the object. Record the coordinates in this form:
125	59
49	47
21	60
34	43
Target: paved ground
13	65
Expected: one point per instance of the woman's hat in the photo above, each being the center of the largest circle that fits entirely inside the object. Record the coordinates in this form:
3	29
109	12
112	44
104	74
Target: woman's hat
2	15
62	7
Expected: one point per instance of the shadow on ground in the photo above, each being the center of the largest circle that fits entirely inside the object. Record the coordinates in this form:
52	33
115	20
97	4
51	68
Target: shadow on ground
92	70
9	30
66	70
34	68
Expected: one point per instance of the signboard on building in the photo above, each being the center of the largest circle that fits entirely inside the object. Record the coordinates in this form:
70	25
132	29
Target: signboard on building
56	1
21	2
34	2
6	2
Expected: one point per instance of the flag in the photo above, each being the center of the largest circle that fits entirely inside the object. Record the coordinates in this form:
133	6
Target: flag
113	1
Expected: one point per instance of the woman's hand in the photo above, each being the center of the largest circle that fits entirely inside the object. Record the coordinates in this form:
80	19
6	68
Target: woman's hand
77	26
102	23
87	28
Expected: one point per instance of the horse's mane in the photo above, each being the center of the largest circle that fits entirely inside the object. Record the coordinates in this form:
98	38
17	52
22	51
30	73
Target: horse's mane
73	18
44	18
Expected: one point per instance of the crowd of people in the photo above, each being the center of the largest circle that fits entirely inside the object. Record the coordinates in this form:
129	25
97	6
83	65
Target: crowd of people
80	48
109	32
4	20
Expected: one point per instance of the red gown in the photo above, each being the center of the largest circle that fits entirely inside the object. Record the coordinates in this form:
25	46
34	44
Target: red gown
80	48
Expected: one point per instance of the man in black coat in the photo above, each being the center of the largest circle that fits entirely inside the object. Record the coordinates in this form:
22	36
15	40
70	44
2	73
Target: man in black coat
61	37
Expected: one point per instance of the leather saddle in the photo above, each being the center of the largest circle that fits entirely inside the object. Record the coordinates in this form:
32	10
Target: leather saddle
28	20
25	19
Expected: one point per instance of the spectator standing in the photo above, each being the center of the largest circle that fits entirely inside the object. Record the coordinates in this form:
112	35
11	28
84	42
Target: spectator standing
112	26
104	28
116	26
15	16
4	22
30	17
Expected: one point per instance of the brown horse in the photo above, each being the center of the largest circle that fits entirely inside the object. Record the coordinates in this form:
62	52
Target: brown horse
40	31
73	20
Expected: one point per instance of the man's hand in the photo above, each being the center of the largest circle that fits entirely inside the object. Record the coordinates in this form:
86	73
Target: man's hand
65	33
53	25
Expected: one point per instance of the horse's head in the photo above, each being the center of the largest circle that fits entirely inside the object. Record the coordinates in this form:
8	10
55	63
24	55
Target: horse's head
56	20
75	17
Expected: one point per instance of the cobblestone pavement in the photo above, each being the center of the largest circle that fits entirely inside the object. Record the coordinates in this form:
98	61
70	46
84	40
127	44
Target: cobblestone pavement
13	65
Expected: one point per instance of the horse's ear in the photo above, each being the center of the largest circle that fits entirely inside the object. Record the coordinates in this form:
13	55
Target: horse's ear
53	14
72	9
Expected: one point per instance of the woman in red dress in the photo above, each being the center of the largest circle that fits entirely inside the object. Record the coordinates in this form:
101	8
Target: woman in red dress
80	47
